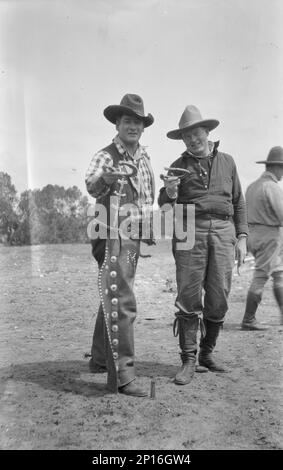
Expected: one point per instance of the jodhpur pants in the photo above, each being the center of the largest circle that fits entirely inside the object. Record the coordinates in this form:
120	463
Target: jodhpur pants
266	245
204	273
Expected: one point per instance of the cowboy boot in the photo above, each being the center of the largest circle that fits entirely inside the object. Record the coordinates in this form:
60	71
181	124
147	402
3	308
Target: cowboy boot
187	328
207	344
249	321
278	292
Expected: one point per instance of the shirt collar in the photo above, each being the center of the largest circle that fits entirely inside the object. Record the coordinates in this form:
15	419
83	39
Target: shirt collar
140	152
268	174
213	146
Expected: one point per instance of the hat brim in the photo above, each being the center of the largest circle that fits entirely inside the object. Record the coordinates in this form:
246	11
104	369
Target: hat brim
210	124
114	111
276	162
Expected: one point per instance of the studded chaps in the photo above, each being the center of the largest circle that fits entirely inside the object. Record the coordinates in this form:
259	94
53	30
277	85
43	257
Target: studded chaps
118	307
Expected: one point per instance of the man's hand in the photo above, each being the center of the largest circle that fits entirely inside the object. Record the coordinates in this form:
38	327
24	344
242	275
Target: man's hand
110	174
171	184
109	177
241	251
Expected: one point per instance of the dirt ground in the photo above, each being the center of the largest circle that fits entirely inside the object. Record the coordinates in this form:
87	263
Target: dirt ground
49	399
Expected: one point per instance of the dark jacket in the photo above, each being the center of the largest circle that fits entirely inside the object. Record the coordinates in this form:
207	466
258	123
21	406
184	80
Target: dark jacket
216	191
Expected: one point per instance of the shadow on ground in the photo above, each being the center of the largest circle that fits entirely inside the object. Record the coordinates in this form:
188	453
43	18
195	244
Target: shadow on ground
74	376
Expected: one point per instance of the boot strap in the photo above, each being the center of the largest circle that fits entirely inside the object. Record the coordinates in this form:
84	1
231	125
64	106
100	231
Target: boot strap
180	315
202	328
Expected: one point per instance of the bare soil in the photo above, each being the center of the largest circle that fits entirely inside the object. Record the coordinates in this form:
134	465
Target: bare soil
50	400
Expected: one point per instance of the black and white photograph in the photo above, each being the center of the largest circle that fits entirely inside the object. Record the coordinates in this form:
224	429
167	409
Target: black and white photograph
141	227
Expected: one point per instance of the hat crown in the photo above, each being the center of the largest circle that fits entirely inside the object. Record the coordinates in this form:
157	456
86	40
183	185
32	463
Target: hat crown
275	155
190	116
134	103
190	119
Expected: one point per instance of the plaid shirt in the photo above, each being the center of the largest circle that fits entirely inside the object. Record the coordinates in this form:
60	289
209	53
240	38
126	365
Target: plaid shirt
143	183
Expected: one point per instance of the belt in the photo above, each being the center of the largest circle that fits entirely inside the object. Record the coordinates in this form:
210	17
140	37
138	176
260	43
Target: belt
211	215
263	225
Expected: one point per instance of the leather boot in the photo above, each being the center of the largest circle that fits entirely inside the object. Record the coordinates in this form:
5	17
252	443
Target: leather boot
185	375
187	329
207	344
249	321
133	390
278	292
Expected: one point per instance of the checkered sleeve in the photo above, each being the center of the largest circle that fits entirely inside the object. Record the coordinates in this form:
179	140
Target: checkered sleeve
147	177
95	185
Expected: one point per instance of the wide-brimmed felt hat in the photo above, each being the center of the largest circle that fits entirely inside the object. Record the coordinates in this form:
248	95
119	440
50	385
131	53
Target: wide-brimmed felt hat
190	119
275	156
132	105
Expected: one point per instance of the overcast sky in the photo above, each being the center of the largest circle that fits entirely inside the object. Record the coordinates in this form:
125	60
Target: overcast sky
62	62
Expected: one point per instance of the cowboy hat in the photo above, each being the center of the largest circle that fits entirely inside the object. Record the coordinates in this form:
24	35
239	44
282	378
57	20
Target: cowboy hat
190	119
130	105
275	157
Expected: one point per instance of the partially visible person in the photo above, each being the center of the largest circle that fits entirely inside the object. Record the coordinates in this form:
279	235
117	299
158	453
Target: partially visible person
211	183
112	348
264	199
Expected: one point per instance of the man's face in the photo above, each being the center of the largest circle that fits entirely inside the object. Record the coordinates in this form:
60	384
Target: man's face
129	129
196	141
279	172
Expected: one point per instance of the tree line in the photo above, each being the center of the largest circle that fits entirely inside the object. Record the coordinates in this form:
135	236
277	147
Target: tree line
52	214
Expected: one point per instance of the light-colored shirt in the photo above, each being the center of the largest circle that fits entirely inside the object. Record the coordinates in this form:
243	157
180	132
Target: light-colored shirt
264	199
143	182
